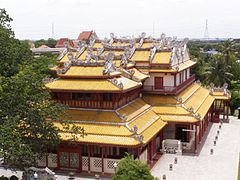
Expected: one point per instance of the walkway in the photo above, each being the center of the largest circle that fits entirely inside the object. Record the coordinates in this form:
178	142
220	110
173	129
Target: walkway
222	165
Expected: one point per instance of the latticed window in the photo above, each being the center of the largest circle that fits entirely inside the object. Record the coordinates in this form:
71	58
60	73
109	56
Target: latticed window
74	160
69	159
63	159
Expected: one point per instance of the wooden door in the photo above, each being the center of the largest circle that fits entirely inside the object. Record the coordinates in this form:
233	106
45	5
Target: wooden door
158	82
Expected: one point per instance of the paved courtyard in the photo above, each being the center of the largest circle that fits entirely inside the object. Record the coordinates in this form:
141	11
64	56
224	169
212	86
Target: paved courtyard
222	165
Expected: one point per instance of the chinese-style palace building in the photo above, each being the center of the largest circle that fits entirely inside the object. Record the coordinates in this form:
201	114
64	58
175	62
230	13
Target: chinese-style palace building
134	95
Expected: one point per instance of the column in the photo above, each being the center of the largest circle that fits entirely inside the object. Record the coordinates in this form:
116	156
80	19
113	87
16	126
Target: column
89	149
132	152
200	132
195	145
224	111
152	149
161	138
103	152
228	110
139	152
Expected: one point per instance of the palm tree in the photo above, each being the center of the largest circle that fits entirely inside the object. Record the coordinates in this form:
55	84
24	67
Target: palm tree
228	49
217	71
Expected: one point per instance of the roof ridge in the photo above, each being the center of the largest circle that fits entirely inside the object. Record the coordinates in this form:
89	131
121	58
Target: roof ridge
192	94
201	103
140	114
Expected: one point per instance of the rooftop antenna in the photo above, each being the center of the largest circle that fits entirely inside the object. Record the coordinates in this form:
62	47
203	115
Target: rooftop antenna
52	30
206	35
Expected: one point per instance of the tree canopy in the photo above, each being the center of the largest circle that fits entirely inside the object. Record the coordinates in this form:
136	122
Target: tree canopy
130	169
26	108
219	68
13	53
50	42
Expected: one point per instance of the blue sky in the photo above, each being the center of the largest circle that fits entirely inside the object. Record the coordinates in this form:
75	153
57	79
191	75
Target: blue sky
182	18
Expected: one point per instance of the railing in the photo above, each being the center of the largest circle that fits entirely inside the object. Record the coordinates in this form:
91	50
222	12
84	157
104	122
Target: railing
88	104
172	146
170	89
98	104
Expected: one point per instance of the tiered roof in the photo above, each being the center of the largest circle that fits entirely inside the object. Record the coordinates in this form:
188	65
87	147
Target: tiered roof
120	65
147	53
132	125
190	106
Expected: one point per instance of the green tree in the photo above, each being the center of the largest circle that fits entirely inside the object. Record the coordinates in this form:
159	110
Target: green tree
235	101
130	169
24	108
50	42
217	72
228	49
24	103
13	53
5	21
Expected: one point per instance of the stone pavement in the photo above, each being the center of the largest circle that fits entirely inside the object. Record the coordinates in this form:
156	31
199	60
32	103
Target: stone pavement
222	165
8	173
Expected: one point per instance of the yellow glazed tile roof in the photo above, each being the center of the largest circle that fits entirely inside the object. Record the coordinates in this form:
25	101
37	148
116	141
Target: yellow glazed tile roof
188	92
197	99
159	99
91	115
84	54
117	63
133	109
221	96
178	118
186	65
120	44
65	57
139	75
100	129
182	66
205	106
162	58
158	70
91	85
174	110
147	45
87	71
101	139
97	45
140	56
117	53
144	121
153	130
148	123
